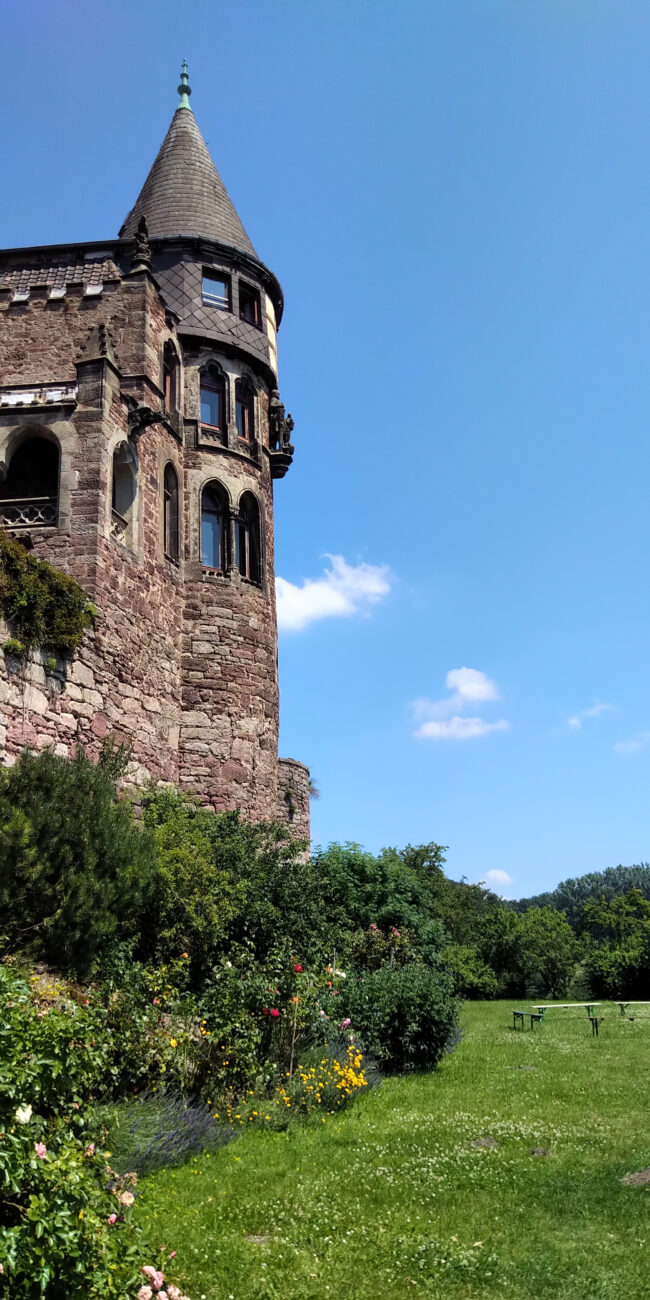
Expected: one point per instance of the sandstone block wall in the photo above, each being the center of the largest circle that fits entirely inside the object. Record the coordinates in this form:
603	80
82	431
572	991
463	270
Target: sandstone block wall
182	663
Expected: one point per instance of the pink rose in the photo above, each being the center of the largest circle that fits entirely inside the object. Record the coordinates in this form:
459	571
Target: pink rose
346	1022
90	1149
173	1292
274	1012
127	1198
112	1218
149	1271
145	1293
172	1255
75	1105
40	1149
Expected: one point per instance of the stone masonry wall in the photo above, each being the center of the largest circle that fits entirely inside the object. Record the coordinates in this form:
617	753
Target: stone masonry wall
182	662
293	797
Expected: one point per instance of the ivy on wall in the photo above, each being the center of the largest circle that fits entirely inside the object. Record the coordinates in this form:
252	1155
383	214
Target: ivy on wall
44	607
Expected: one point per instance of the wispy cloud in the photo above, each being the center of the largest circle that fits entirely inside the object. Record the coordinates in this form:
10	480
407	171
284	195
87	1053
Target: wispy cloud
633	745
497	879
594	711
459	728
344	589
445	719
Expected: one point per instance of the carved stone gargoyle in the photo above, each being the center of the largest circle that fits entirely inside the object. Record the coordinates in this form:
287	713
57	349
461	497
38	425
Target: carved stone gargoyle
141	417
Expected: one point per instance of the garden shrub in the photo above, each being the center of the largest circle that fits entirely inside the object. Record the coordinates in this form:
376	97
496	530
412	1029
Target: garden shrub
403	1016
76	871
472	977
44	606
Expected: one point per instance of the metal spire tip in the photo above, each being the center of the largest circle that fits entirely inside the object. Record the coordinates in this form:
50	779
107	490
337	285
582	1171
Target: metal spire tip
184	89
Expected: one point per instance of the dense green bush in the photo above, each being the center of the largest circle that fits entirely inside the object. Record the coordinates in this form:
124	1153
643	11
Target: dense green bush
403	1015
76	872
472	977
44	606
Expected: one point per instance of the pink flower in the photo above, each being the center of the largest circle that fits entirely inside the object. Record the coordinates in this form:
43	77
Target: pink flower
112	1218
40	1149
274	1012
297	967
90	1149
126	1198
373	927
145	1293
346	1022
75	1105
156	1001
2	1268
172	1255
173	1292
162	1295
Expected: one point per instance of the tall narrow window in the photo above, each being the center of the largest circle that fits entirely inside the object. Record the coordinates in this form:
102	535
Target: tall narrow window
245	410
216	290
214	524
213	402
123	492
247	539
249	304
170	513
170	376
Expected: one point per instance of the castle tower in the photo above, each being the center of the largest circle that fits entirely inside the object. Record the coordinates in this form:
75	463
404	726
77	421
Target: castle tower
141	431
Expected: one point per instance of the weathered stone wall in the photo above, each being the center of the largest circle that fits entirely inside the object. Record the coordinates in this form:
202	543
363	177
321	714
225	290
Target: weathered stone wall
182	663
293	797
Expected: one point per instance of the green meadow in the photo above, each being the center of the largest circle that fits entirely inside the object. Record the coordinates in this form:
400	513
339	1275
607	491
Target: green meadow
394	1197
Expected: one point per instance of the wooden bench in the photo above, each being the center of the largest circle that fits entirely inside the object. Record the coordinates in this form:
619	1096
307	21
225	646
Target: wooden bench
566	1006
624	1005
519	1018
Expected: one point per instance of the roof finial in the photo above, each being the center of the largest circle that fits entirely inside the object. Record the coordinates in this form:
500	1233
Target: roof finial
184	89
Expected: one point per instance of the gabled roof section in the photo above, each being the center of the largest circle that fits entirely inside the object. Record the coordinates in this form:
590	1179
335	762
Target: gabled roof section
184	193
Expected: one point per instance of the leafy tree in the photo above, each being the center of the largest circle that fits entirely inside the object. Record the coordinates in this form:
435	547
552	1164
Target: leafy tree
76	871
550	950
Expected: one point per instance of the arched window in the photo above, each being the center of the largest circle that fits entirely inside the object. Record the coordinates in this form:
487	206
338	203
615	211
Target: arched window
247	539
245	410
171	376
214	527
213	401
123	492
29	496
170	513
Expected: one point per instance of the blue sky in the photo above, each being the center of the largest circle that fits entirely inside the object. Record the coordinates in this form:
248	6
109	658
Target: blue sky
455	195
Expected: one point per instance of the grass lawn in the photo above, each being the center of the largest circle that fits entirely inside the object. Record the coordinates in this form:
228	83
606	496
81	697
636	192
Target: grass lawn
391	1198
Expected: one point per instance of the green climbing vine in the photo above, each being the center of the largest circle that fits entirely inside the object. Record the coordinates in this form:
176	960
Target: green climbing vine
43	606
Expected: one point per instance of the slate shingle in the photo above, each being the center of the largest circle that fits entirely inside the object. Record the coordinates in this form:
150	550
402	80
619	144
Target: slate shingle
184	193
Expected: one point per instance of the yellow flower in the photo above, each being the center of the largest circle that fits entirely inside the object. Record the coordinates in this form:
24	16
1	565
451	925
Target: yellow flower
173	1042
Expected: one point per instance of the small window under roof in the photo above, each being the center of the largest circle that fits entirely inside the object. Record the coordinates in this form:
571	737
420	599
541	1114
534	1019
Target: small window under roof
216	290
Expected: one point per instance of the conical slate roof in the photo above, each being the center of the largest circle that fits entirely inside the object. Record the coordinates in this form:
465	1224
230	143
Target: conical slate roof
184	193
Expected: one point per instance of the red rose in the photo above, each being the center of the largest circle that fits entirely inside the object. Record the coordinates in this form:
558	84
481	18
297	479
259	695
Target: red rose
297	967
274	1011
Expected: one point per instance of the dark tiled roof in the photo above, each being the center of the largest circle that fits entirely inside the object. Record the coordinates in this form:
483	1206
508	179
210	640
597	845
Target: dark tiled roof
184	193
59	274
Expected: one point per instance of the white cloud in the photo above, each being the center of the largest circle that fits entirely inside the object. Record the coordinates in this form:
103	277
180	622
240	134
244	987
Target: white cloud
457	728
496	877
343	589
632	746
470	684
594	711
444	719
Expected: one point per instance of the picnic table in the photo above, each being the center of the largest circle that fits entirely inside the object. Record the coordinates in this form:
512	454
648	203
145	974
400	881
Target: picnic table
518	1018
624	1005
543	1007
